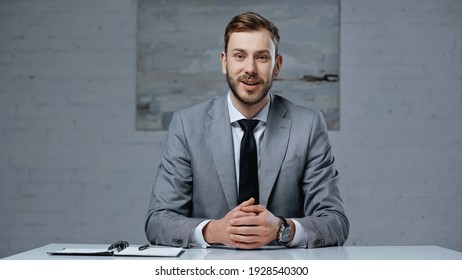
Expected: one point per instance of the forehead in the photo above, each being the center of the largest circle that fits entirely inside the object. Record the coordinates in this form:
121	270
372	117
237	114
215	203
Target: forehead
251	41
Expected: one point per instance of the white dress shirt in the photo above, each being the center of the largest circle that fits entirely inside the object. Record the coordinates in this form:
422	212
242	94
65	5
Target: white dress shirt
197	238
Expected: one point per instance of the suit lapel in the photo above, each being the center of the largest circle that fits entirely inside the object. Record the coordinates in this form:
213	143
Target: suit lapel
273	148
219	137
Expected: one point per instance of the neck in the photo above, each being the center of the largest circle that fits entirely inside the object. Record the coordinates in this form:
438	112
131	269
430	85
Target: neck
249	111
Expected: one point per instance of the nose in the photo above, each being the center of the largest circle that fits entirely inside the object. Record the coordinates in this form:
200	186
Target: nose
250	66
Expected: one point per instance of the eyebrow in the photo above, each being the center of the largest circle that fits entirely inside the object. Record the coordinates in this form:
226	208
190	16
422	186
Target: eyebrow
257	52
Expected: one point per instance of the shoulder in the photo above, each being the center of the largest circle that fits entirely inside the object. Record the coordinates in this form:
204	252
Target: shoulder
294	111
194	117
307	123
303	118
201	109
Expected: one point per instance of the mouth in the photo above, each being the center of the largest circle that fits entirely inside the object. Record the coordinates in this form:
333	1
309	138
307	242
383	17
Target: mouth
250	86
250	83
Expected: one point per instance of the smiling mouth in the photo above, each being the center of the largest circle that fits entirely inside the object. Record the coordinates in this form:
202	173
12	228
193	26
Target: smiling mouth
250	86
250	83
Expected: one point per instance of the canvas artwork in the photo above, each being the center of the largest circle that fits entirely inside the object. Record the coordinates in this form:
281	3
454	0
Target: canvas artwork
179	45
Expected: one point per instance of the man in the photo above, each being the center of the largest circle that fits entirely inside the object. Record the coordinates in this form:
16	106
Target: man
201	193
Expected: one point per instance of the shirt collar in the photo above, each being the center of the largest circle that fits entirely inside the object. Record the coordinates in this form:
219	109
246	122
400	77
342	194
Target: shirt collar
235	115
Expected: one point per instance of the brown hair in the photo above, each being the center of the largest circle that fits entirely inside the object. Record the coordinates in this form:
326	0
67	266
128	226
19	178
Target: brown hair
251	21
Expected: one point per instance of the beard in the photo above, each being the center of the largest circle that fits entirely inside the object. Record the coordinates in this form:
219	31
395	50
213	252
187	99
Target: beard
253	98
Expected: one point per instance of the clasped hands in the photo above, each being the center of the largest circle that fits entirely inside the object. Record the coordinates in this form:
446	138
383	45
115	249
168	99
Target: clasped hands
246	226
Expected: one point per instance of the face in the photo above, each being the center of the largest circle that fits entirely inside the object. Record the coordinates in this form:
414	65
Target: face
250	65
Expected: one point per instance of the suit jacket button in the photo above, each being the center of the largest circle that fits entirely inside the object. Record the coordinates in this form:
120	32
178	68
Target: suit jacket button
177	242
319	242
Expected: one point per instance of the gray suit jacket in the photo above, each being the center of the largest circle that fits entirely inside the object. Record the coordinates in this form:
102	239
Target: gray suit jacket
196	178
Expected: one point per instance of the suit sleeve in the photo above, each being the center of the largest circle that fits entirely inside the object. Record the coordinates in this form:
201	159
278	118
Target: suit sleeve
168	220
325	221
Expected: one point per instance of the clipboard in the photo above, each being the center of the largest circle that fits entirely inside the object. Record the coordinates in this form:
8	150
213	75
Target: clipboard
121	248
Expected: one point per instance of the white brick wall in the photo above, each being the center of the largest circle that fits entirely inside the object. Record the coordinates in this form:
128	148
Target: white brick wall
72	164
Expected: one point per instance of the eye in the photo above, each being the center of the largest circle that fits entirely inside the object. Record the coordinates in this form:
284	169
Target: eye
239	56
263	58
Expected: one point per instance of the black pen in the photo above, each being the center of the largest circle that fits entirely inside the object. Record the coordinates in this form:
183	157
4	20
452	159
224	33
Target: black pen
144	247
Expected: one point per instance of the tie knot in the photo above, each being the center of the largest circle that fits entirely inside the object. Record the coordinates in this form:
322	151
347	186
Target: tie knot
248	125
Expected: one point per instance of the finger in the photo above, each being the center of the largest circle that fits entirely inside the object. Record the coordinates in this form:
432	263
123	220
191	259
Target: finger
248	230
247	241
254	208
248	220
240	214
248	202
237	238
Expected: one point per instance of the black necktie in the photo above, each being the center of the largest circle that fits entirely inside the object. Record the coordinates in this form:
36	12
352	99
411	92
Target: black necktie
248	165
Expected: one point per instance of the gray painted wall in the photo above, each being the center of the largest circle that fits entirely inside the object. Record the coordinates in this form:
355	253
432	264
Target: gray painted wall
74	169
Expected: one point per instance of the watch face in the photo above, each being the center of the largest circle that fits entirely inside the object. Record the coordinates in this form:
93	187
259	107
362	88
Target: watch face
284	237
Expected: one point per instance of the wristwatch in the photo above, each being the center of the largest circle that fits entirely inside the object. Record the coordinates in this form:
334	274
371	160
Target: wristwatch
284	231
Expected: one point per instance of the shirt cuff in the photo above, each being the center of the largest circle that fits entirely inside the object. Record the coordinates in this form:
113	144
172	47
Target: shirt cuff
197	238
300	237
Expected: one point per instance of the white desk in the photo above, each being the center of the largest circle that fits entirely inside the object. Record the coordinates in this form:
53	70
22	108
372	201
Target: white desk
328	253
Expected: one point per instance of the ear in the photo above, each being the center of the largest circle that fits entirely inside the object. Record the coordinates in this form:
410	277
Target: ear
277	66
223	62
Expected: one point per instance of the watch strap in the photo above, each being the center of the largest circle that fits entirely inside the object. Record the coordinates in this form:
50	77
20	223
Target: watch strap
284	221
